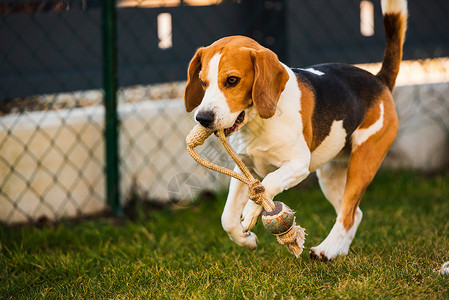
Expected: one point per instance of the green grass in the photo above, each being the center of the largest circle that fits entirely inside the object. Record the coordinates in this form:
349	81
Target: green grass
185	254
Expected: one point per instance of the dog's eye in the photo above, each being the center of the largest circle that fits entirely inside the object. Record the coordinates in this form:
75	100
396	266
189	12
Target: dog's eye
202	83
232	80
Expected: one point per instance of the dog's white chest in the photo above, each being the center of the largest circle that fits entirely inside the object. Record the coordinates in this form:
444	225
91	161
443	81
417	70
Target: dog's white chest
329	147
262	160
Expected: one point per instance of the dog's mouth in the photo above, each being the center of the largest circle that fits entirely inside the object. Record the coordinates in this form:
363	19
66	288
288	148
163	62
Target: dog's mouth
237	124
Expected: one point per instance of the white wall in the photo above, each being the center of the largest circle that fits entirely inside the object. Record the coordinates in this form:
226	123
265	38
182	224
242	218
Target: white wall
423	139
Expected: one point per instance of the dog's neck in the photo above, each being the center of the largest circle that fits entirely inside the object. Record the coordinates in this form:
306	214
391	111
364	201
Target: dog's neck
286	122
287	110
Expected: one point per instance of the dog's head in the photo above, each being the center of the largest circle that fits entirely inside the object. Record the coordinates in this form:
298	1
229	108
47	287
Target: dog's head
226	78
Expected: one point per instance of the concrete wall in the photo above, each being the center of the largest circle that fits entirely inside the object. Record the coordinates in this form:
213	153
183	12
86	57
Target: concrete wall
423	139
44	172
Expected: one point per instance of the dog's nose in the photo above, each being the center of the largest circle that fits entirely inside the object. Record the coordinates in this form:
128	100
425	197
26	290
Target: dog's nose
205	118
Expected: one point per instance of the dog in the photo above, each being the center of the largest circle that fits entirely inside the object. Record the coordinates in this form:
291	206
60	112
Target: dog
335	119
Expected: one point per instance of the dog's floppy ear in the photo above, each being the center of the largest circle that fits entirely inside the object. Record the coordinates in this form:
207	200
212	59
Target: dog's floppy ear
194	93
270	78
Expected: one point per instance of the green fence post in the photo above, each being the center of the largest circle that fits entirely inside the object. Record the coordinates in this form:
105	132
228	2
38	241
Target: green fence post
110	102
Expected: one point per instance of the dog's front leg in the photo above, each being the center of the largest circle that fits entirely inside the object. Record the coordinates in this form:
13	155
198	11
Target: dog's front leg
230	219
287	176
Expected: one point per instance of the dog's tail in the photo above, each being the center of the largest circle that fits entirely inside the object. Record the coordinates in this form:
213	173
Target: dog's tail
395	25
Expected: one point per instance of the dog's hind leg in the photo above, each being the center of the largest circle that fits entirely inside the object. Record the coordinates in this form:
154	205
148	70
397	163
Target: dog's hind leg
332	180
369	148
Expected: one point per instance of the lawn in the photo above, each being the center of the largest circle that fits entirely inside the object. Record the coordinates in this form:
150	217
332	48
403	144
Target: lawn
184	253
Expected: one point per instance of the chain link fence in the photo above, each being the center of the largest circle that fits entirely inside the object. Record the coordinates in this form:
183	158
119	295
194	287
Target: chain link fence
52	150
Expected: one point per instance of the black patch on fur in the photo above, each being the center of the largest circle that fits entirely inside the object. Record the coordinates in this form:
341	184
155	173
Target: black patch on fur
394	29
344	92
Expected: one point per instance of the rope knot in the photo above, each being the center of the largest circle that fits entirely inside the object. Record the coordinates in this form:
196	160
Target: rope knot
256	190
293	239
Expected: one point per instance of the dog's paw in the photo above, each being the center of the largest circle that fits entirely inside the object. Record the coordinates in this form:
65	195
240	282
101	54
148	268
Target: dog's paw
337	242
322	254
245	239
315	254
250	215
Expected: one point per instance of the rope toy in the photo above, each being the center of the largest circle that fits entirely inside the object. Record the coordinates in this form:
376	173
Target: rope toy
277	217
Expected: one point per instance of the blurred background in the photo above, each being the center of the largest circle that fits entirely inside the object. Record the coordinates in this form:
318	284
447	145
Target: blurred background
57	62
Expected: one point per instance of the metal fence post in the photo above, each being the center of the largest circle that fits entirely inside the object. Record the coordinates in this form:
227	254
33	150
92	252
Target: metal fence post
110	102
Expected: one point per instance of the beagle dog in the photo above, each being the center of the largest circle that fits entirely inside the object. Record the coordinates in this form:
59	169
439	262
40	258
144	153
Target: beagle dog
335	119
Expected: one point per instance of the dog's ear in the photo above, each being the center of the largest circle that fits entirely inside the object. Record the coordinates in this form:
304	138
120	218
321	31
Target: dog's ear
194	92
270	78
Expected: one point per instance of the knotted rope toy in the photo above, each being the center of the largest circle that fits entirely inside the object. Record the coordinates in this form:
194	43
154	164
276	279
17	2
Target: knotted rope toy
277	217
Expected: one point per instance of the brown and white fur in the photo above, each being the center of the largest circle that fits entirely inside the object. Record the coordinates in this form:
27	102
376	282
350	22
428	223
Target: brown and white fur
334	119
